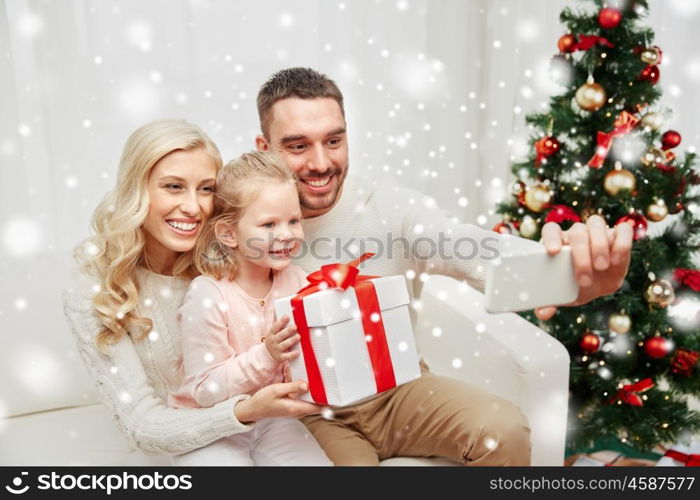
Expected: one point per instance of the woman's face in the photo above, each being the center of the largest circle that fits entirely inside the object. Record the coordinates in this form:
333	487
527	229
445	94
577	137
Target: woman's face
181	192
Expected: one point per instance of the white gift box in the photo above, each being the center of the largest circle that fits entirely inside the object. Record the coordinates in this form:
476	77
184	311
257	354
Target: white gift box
341	346
687	449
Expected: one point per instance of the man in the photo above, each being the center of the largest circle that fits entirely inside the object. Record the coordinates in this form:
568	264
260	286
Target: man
302	118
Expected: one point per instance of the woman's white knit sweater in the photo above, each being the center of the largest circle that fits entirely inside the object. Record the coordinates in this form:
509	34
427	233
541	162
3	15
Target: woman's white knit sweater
136	377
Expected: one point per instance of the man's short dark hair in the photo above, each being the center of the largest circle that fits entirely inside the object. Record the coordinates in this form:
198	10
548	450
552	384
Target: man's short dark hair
304	83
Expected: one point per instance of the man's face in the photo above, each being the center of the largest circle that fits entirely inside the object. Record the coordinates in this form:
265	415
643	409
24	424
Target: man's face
309	134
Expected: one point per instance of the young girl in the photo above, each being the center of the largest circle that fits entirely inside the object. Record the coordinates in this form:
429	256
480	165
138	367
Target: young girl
231	343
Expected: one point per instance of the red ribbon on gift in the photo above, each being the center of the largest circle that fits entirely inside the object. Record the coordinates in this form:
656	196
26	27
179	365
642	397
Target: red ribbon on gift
688	459
628	393
343	276
624	123
585	42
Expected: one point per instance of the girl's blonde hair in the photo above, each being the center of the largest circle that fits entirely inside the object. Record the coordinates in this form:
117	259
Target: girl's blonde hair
238	184
112	254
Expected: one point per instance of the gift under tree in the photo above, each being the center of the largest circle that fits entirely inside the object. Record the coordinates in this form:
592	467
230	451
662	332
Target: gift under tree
602	148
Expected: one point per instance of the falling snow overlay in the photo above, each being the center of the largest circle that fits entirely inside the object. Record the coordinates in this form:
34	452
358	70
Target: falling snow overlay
436	95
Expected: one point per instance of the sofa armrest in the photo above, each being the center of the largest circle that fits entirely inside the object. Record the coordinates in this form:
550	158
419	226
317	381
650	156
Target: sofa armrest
501	353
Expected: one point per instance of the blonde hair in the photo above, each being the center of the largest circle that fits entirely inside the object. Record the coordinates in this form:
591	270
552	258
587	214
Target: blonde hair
112	254
238	184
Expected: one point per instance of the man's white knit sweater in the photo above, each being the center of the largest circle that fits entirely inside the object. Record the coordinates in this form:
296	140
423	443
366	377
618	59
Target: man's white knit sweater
408	232
134	381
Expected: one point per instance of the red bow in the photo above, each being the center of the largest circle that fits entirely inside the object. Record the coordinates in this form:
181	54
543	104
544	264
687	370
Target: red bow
343	276
688	459
687	277
624	123
585	42
684	361
628	393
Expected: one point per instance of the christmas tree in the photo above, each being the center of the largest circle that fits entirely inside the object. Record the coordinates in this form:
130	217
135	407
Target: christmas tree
601	148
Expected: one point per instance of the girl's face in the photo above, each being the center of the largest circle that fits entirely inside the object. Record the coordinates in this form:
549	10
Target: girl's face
270	233
181	192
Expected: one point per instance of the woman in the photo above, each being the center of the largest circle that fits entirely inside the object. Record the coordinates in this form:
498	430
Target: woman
135	270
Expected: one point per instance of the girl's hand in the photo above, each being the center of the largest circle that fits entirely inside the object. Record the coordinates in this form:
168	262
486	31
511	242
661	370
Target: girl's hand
280	340
274	401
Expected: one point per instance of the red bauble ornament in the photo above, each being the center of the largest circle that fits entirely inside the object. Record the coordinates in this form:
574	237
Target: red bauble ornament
589	343
609	18
545	147
561	213
650	74
670	139
657	347
567	43
640	224
503	228
675	208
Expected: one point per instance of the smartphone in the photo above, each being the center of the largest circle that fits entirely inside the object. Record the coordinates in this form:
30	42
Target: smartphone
524	277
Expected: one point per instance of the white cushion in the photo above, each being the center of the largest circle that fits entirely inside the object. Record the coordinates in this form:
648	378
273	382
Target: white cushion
73	436
40	367
87	436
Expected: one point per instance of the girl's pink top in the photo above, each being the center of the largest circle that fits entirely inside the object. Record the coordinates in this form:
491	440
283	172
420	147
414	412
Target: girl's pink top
222	329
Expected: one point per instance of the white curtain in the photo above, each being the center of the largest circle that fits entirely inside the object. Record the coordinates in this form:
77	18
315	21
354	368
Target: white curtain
436	90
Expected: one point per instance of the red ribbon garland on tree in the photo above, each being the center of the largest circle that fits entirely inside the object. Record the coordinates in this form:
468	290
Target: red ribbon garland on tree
628	393
624	124
688	459
342	276
687	277
585	42
684	361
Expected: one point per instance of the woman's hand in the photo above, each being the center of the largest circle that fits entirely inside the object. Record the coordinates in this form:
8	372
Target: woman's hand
274	401
601	257
280	340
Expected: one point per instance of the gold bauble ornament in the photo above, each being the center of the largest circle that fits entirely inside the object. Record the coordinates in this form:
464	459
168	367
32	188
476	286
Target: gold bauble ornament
537	197
591	96
657	211
651	55
528	227
660	293
653	156
653	121
619	180
619	322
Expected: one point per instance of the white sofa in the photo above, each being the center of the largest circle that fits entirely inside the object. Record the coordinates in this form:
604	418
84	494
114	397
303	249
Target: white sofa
49	414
